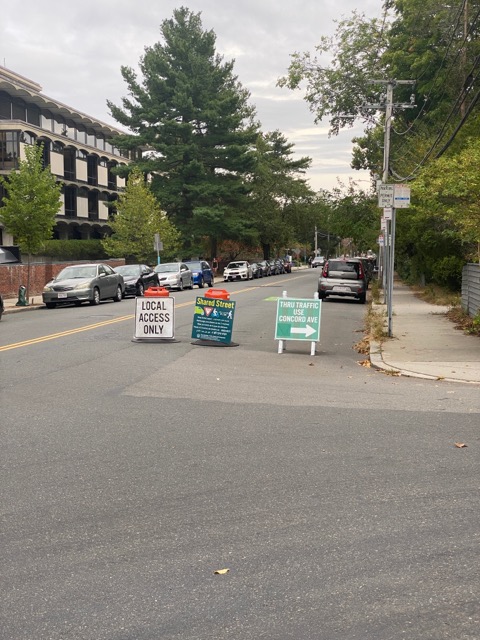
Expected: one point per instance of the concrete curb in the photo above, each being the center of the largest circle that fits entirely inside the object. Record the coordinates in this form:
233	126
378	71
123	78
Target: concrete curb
377	362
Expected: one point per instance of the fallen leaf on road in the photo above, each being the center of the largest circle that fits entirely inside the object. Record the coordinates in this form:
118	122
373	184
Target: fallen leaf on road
365	363
221	572
460	445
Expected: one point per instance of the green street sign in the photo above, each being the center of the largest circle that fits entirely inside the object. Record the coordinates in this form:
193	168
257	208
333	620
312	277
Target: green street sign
298	319
213	320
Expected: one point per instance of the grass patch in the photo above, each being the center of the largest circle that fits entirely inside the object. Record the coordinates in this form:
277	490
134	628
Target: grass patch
437	295
375	329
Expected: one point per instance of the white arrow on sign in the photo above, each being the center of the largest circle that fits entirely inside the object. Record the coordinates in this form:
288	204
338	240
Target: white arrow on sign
308	330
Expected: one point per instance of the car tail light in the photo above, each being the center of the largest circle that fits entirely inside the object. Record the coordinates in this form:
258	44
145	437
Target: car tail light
325	270
361	274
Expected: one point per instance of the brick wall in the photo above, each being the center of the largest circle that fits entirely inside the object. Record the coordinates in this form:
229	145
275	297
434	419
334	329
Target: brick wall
12	276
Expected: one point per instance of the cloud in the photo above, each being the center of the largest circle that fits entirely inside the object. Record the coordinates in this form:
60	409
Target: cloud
75	51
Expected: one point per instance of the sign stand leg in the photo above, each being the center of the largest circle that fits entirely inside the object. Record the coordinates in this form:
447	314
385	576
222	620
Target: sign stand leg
312	348
280	346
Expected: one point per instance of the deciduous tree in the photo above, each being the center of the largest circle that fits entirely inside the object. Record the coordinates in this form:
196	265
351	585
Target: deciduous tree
31	203
138	218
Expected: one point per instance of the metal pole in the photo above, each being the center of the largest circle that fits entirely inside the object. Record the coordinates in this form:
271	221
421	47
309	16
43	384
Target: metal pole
390	233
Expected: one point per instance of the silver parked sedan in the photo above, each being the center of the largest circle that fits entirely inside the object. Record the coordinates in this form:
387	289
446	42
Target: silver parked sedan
174	275
84	283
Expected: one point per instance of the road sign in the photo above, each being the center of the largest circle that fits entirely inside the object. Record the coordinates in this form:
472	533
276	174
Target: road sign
401	198
154	318
385	195
298	319
387	213
157	244
213	319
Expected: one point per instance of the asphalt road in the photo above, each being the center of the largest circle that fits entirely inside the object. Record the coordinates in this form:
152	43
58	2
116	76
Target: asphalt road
131	472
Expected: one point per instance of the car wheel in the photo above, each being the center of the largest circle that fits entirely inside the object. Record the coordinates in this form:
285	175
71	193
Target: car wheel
200	283
321	295
363	298
118	296
190	286
96	297
141	289
180	285
51	305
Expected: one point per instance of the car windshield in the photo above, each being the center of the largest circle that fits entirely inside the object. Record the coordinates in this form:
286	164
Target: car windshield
197	266
236	265
77	272
128	270
172	267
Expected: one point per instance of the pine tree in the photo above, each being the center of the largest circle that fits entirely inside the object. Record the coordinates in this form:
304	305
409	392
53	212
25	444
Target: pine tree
193	115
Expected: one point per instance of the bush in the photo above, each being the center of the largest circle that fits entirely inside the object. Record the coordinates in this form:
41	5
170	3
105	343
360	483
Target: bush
65	250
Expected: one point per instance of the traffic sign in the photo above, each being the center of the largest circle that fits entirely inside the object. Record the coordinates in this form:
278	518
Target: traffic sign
385	195
401	199
154	318
213	319
298	319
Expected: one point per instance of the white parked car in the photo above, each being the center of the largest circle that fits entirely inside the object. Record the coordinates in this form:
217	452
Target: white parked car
238	270
174	275
318	261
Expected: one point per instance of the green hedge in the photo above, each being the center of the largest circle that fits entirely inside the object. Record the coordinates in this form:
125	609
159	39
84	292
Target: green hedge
65	250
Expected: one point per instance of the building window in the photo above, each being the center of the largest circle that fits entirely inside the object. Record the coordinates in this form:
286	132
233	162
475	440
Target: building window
46	151
33	114
46	120
93	205
100	141
57	147
59	126
91	137
27	138
81	134
112	178
5	106
19	110
69	166
70	202
92	170
9	149
70	130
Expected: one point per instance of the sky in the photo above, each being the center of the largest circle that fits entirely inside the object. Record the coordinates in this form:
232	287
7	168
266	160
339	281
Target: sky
74	50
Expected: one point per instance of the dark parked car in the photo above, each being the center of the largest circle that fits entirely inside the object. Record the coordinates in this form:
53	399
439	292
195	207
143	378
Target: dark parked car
1	306
137	277
273	267
84	283
256	270
202	273
343	277
265	265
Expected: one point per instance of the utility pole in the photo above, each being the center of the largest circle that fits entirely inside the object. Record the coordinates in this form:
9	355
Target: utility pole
389	244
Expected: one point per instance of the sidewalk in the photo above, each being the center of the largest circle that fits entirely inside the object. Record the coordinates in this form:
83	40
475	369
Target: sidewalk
425	343
34	302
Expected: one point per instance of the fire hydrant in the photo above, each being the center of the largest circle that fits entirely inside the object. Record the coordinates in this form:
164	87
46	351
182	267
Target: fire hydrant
22	297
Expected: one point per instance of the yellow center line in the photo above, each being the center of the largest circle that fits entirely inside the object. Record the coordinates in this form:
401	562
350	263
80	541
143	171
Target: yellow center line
105	323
